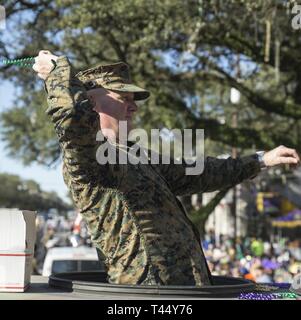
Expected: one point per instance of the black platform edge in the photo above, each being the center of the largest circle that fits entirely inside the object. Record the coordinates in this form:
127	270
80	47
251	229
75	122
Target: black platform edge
96	283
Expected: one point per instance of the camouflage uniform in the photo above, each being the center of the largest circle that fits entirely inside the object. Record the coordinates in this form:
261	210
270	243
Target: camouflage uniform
132	211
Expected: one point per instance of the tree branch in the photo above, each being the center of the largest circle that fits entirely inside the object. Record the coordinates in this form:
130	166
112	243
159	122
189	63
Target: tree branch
244	138
200	216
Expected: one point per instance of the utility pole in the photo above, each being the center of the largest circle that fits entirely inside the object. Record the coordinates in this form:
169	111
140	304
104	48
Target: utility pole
234	198
235	99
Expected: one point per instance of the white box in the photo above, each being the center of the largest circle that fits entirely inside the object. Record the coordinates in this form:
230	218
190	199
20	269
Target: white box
17	240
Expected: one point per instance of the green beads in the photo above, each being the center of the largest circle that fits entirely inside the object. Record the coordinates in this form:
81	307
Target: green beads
24	62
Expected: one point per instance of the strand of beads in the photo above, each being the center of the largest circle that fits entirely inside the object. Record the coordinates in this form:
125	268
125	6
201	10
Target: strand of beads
268	296
256	296
23	62
286	295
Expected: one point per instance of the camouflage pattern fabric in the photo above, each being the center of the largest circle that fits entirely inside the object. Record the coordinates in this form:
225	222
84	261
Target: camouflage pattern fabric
132	212
114	76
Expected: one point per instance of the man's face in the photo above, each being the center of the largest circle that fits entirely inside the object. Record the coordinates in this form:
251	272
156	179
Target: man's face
113	107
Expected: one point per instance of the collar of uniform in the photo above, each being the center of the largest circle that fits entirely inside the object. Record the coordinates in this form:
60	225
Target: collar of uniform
126	145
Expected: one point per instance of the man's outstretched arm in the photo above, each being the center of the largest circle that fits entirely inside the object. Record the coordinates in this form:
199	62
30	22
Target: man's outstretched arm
224	173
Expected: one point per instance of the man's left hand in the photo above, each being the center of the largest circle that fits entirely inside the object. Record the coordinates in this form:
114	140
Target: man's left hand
281	155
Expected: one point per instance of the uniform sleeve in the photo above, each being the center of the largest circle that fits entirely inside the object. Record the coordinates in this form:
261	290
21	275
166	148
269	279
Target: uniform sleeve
76	125
218	174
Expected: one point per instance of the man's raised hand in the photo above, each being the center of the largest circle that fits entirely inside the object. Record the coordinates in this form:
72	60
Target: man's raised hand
44	63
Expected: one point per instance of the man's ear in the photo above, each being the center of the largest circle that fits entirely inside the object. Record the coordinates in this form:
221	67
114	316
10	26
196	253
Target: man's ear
96	96
91	98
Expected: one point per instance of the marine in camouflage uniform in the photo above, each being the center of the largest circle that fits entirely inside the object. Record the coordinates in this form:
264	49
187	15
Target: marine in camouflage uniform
132	211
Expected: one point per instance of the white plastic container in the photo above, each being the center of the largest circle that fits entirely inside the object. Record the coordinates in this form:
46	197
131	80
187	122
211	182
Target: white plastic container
17	239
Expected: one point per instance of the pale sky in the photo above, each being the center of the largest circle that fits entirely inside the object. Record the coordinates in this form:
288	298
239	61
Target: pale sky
49	179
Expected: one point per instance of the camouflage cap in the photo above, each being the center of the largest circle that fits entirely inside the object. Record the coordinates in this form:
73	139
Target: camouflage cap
114	76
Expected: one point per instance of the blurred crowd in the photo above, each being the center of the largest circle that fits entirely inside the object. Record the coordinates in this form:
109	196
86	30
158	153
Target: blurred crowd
250	258
58	231
253	258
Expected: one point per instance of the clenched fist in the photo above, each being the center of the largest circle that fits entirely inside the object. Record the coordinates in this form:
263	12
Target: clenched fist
44	63
281	155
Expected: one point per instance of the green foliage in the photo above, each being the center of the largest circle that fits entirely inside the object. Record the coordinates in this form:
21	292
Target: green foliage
27	195
184	52
27	132
187	53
